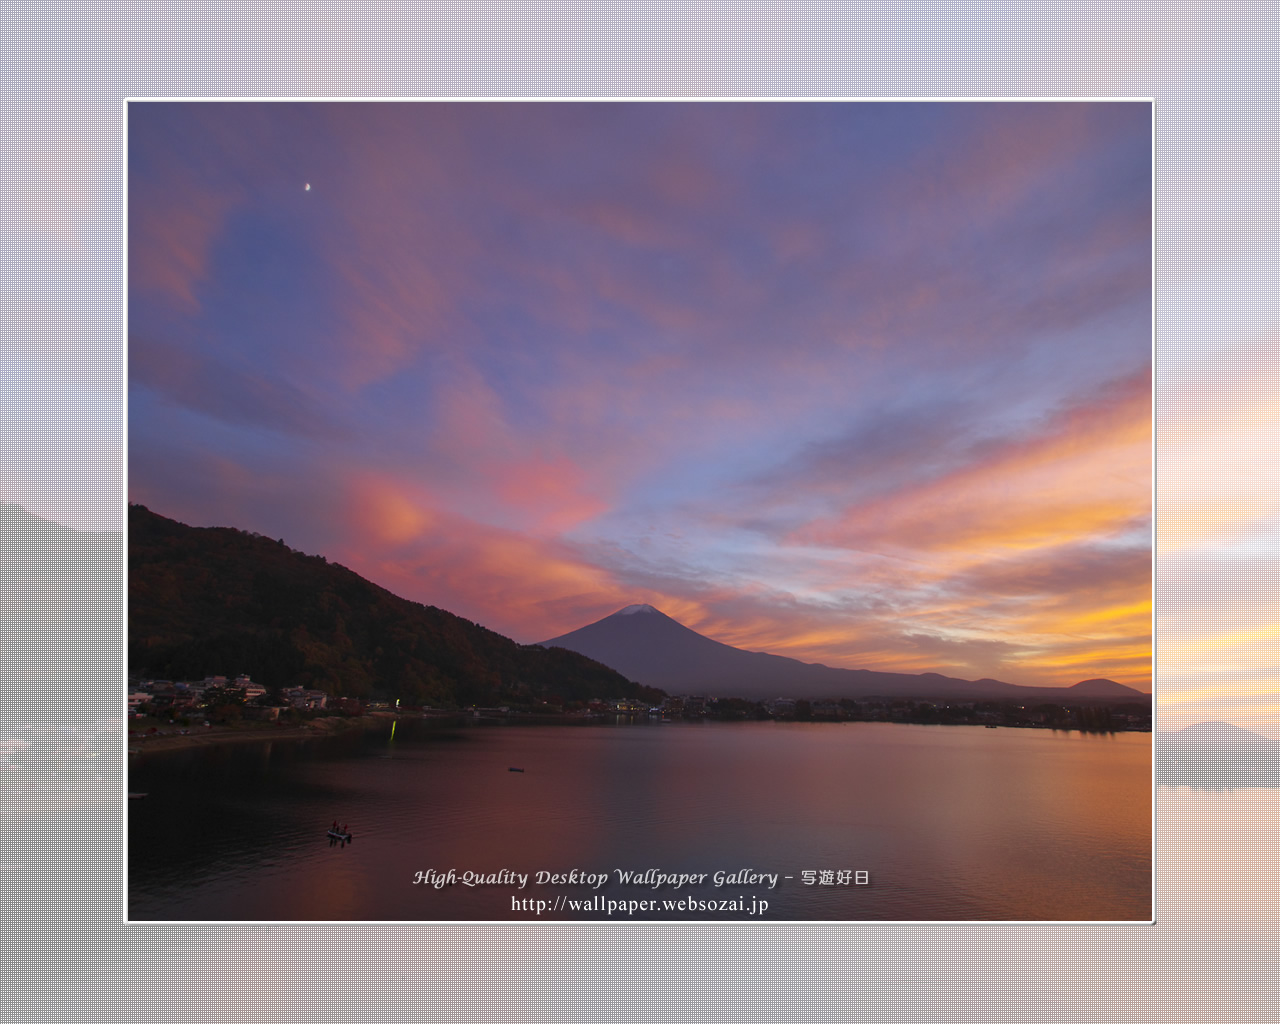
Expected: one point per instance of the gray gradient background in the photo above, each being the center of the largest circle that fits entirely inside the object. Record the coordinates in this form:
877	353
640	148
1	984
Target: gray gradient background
1212	71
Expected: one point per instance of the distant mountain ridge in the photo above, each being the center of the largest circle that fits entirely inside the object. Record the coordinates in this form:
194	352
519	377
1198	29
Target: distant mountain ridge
650	647
60	610
1219	735
1217	756
1101	688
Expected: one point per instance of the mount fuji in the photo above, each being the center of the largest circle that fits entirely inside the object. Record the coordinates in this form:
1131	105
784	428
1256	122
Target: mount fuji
651	648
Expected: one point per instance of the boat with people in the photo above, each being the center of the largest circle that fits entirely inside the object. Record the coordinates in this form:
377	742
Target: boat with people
340	832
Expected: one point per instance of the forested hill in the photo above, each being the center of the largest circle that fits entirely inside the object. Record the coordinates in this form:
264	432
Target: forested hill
220	601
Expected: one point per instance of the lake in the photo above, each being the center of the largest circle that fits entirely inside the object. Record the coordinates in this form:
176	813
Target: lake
947	823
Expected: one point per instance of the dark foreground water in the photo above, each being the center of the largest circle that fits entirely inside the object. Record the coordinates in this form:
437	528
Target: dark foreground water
948	823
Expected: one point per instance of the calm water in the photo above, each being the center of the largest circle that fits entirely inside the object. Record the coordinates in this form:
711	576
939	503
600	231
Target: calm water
950	823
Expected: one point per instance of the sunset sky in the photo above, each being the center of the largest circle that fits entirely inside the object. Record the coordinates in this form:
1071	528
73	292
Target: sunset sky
860	383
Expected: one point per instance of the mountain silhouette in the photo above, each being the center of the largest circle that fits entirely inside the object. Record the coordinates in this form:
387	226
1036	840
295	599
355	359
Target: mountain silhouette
1217	756
1100	688
1218	735
218	600
60	611
654	649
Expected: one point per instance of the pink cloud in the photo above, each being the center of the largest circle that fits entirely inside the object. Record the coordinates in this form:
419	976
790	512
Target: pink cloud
552	495
171	235
520	585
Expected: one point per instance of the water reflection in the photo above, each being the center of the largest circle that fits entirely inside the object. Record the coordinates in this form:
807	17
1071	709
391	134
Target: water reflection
953	823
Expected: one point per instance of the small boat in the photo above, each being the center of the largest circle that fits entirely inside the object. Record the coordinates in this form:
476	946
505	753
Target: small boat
993	727
346	837
515	769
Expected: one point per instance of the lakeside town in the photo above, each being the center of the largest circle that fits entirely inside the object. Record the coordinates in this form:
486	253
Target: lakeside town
228	701
166	715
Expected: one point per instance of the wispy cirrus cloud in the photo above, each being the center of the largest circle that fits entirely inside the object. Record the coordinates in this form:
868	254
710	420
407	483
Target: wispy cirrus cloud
197	380
171	240
857	383
1086	471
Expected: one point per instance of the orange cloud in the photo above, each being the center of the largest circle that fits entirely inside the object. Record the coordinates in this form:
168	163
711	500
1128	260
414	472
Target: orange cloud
1025	563
1088	474
386	511
947	620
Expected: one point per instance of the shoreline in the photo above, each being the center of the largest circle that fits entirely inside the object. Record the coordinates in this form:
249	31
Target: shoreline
197	736
321	728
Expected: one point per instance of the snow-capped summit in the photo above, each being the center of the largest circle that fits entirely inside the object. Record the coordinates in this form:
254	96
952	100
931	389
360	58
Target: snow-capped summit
632	609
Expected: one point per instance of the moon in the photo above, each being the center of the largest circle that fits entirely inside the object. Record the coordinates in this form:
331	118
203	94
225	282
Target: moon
306	187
